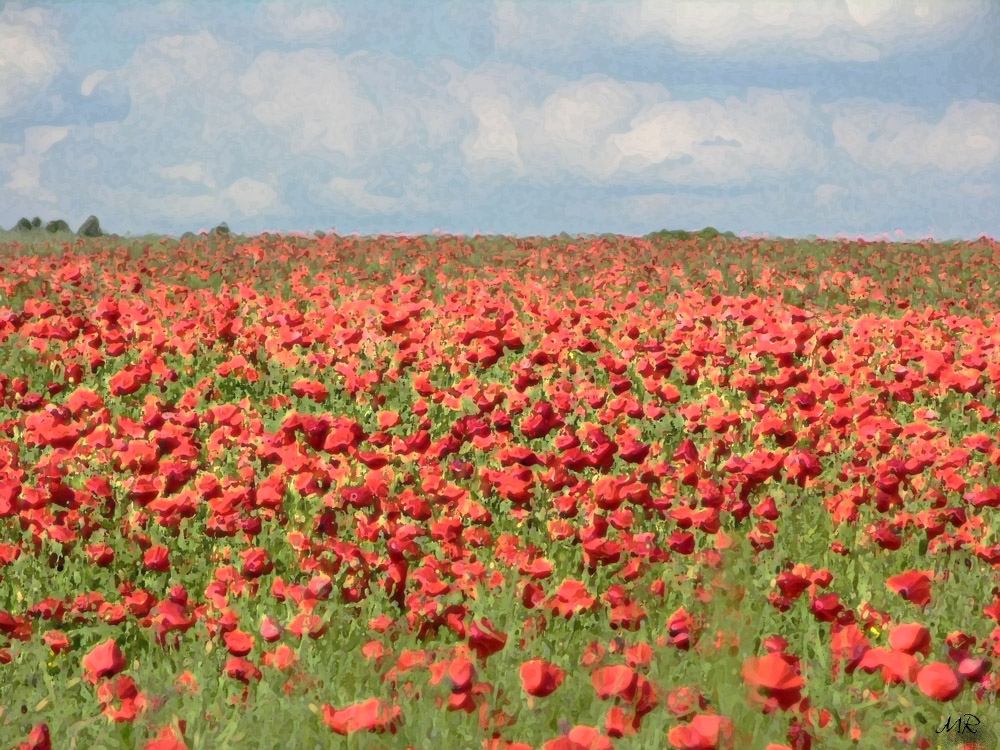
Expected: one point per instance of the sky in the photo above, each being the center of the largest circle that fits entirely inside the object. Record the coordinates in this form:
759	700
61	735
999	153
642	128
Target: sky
778	117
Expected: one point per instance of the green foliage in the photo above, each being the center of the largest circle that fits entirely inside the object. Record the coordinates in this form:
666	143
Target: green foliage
91	227
37	685
57	226
708	233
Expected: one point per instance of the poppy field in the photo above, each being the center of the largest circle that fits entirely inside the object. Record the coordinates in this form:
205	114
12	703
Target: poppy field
585	493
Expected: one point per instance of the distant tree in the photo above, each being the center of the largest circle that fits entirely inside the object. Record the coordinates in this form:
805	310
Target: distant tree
669	234
57	226
223	228
708	233
319	233
90	228
36	222
24	224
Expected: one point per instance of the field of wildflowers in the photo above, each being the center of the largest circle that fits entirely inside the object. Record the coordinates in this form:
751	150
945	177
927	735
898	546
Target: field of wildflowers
499	493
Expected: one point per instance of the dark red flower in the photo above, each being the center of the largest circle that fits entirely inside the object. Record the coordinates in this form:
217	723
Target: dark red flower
913	585
540	678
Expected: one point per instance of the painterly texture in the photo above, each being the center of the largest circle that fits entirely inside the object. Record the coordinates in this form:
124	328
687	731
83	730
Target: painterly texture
592	492
788	117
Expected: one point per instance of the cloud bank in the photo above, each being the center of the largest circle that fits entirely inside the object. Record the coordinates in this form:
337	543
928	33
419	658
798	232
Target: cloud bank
298	129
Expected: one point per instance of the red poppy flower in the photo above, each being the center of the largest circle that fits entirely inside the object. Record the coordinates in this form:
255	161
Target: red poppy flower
704	732
683	702
826	607
615	681
580	738
371	715
772	671
939	681
913	585
540	678
170	616
57	641
910	638
124	383
156	558
166	739
256	563
311	389
241	669
973	669
461	672
103	660
495	743
638	655
484	638
270	629
777	674
38	738
307	624
281	658
131	701
896	666
238	643
847	644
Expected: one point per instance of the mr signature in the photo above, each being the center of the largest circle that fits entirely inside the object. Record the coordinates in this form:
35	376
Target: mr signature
966	723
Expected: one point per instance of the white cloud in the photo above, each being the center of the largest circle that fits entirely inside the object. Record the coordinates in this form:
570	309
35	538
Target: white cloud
827	194
354	192
710	142
192	172
205	114
185	70
310	100
889	137
185	104
297	21
30	55
26	165
622	132
41	138
201	208
91	81
858	30
868	13
246	198
579	119
188	127
252	197
495	136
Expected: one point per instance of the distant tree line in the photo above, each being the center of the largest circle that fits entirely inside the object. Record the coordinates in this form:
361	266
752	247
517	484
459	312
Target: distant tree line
708	233
90	228
220	231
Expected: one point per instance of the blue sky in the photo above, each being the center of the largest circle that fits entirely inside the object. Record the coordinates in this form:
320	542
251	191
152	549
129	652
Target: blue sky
782	117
